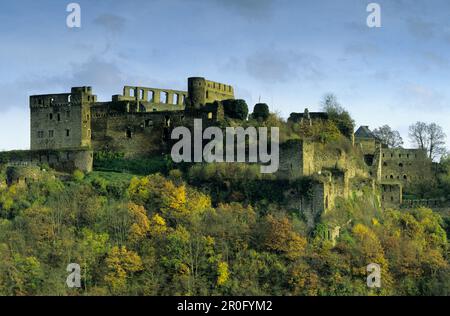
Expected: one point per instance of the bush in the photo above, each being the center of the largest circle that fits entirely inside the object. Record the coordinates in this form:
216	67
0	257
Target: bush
78	175
261	111
339	115
141	166
235	109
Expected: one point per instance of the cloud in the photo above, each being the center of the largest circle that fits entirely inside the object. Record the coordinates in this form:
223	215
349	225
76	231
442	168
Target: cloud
364	49
420	29
105	76
420	97
111	22
382	75
283	66
250	9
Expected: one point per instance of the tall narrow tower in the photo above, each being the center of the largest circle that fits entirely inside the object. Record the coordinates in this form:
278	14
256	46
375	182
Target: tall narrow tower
196	92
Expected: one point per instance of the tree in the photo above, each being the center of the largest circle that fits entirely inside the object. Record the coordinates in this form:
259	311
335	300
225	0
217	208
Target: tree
281	238
261	111
235	109
429	137
121	264
388	136
338	115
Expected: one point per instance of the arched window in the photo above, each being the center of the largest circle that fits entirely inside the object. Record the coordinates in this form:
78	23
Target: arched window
176	98
164	97
151	96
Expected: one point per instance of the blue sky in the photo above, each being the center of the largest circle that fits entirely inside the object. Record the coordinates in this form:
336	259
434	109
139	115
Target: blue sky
288	53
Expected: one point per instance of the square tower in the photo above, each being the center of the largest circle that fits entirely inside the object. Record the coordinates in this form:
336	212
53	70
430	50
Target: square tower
61	121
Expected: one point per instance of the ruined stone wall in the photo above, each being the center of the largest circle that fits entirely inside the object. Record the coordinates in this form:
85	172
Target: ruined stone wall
406	166
134	134
216	91
152	99
437	205
20	175
65	160
320	198
331	157
296	159
391	195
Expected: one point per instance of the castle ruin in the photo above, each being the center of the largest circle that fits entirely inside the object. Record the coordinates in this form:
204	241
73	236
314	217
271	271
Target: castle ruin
68	128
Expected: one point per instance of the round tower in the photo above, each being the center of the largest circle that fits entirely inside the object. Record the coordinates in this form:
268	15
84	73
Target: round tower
197	91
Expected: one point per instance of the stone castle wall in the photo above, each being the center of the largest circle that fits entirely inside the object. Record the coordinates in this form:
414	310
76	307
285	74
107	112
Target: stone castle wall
60	121
134	134
406	166
153	99
391	194
65	160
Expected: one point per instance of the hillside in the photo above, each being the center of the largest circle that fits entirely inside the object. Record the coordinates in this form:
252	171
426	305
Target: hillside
159	235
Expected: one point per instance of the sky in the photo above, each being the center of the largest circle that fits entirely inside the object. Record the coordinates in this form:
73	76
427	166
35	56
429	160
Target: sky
286	53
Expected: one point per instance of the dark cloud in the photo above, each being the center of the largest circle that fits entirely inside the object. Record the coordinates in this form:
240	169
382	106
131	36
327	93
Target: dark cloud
250	9
104	76
111	22
279	66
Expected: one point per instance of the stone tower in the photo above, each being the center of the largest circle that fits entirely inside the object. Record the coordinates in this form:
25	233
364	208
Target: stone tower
197	92
62	121
202	91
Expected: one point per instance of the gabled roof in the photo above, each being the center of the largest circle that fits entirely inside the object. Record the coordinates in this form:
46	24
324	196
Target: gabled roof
364	132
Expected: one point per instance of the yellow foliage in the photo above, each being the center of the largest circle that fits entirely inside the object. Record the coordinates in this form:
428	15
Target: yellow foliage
282	238
120	264
370	246
197	202
174	197
141	224
223	273
158	225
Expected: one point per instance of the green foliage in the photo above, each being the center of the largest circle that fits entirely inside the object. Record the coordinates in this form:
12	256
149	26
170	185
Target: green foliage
235	109
338	115
261	111
159	235
110	162
78	175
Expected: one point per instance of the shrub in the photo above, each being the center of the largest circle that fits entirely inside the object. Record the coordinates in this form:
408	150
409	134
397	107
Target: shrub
261	111
235	109
78	175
